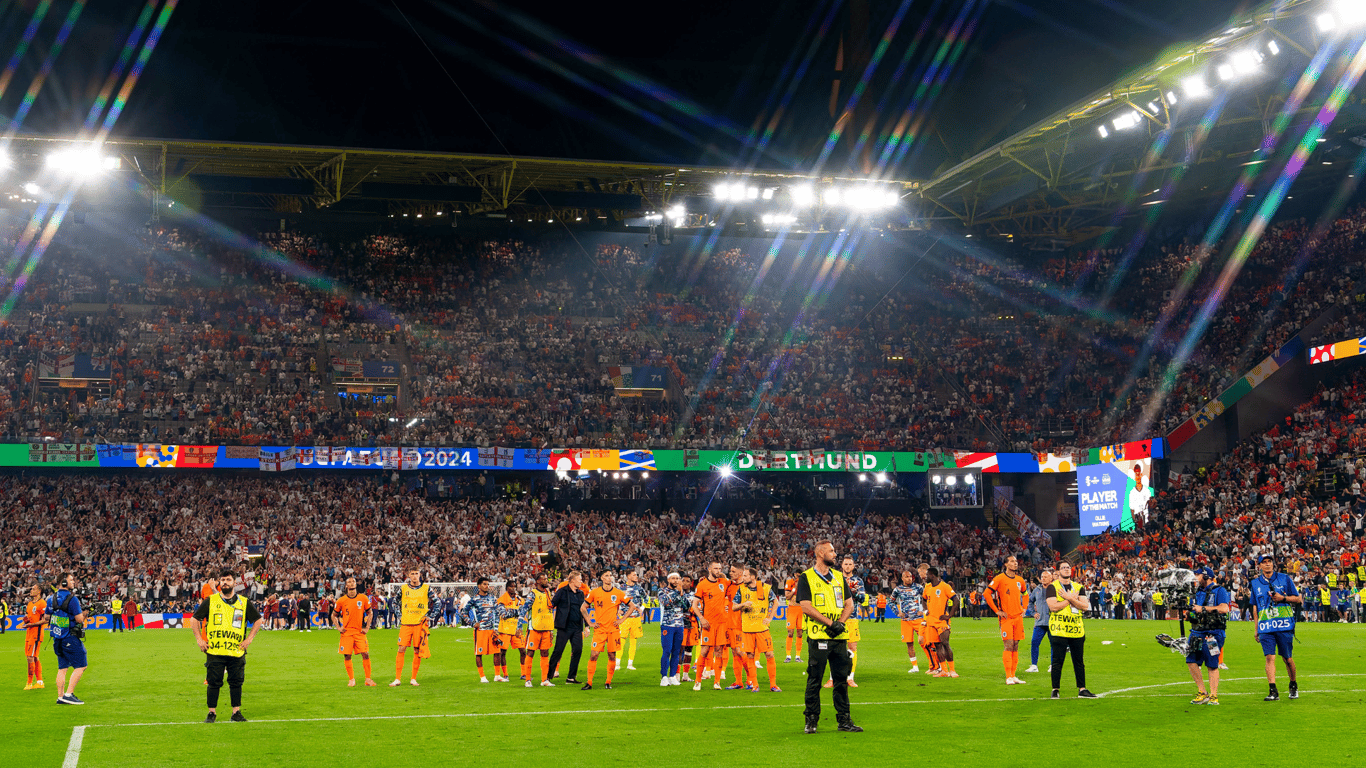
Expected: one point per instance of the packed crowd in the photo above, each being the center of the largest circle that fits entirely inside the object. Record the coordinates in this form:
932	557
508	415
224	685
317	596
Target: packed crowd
508	342
156	539
1293	492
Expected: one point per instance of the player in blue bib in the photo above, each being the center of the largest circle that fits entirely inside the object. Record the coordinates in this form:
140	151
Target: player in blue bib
1274	598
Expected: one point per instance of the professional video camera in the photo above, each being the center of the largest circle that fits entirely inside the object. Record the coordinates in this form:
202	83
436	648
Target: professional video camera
1178	589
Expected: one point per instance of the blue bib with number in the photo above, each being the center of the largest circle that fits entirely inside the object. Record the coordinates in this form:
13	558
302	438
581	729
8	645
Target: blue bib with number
1273	616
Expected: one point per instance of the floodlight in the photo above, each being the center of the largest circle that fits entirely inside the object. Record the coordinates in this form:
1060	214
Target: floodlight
970	480
768	193
1171	98
950	480
803	196
721	191
1246	62
1226	72
1275	49
645	475
937	479
677	212
726	470
1125	121
751	192
33	189
1326	22
882	477
1350	12
82	161
1104	132
891	199
1195	86
832	196
863	477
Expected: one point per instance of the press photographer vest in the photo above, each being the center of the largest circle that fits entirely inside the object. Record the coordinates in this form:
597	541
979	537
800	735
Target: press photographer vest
1066	622
227	625
828	600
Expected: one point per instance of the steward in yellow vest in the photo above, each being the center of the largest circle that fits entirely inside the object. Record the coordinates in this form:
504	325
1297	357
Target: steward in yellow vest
224	625
827	602
1067	604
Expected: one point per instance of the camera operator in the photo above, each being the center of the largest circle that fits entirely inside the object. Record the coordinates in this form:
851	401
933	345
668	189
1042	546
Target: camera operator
1208	618
1273	598
67	627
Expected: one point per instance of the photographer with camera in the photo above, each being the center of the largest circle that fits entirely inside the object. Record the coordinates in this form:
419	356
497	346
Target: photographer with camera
67	627
1209	618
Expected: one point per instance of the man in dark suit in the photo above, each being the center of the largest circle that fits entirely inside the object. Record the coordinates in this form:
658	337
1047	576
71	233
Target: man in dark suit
568	604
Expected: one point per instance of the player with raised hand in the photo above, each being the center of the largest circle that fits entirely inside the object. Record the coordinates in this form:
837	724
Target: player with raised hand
354	615
1006	597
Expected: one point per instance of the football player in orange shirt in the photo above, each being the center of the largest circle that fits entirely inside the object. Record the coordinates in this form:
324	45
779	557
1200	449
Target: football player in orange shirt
714	621
607	603
735	631
939	604
353	614
1006	596
794	619
34	621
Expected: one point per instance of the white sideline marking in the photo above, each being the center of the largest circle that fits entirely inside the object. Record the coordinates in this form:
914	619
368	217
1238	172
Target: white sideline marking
73	747
1221	680
442	715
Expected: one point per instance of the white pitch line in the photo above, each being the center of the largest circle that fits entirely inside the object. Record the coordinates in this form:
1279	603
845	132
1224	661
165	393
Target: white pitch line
443	715
1222	680
73	747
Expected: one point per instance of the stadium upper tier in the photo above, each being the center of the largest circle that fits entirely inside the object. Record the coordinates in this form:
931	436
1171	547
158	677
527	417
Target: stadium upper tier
197	337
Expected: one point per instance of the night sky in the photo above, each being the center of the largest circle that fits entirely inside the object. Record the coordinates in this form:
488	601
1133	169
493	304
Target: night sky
720	83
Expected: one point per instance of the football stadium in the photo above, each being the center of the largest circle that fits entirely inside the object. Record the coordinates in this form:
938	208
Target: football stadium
957	382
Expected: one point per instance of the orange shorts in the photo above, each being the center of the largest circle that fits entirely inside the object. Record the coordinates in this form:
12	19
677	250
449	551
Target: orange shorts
33	641
606	642
930	632
737	638
486	642
795	618
540	639
716	637
353	643
691	636
511	641
1012	629
757	642
410	635
909	629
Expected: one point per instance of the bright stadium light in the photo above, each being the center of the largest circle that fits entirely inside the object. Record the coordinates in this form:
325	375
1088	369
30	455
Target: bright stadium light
726	470
645	475
803	196
1171	98
1226	72
1195	86
1126	121
677	212
1104	132
721	191
882	477
1326	22
970	480
81	161
1351	12
33	189
937	479
751	193
1275	49
768	193
863	477
950	480
831	196
1246	62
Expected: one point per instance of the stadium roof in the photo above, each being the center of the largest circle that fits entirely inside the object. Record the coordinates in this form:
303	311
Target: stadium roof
294	179
1113	153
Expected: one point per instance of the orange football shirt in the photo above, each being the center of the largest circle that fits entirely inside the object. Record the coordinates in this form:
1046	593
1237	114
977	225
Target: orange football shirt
1007	595
352	611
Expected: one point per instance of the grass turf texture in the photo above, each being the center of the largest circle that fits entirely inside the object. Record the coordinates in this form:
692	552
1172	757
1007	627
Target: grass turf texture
141	683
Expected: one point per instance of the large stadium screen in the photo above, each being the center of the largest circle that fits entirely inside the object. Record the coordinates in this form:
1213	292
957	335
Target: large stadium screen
1111	495
955	489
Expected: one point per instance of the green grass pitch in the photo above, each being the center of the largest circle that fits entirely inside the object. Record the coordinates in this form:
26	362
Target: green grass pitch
145	699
